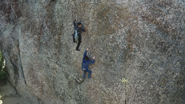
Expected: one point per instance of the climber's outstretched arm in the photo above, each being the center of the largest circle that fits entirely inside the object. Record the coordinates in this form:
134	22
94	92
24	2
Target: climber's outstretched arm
92	62
85	54
74	23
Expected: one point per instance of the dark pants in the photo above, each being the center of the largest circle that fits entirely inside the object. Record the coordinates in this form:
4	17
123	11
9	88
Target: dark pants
79	42
89	76
74	37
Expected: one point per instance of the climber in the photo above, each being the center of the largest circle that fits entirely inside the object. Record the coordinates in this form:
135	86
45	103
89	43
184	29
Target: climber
78	28
85	64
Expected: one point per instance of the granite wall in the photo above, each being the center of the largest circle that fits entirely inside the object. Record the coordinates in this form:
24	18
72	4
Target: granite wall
139	41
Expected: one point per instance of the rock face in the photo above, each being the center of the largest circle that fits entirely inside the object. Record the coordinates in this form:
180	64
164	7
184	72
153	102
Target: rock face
141	41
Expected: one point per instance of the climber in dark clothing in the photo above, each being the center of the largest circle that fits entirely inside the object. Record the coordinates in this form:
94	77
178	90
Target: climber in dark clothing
79	29
85	64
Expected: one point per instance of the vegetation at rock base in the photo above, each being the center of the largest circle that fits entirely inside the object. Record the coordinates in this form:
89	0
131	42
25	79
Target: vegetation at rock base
2	72
2	75
123	80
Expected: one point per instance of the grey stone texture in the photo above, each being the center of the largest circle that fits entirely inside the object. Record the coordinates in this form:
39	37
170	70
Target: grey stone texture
142	41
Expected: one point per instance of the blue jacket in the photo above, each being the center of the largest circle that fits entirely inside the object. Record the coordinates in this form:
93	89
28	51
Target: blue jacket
80	29
85	63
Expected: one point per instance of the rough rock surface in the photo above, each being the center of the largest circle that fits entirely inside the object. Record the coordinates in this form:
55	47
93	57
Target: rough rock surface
142	41
9	95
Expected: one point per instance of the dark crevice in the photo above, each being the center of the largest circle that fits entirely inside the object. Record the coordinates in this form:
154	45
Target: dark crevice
20	62
51	1
21	69
40	101
23	74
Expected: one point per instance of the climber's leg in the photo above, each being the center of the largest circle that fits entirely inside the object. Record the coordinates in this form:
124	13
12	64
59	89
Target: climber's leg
74	38
78	45
89	75
84	74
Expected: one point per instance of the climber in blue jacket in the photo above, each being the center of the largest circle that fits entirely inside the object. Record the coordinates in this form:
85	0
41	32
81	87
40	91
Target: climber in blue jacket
85	64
